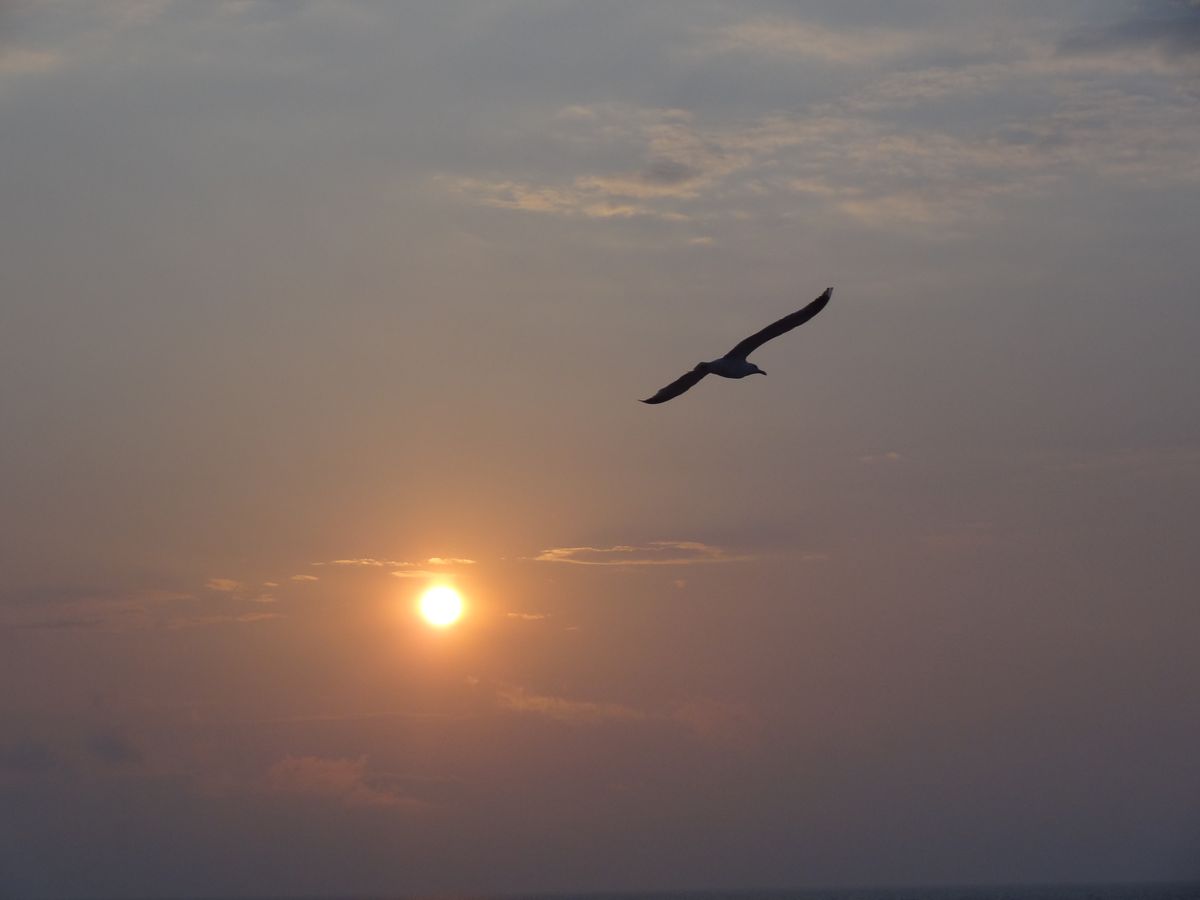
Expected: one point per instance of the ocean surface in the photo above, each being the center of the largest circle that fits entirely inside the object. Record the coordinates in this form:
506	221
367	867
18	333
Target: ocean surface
1175	891
1020	892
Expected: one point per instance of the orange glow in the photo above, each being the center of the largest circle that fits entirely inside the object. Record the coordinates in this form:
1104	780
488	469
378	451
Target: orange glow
441	606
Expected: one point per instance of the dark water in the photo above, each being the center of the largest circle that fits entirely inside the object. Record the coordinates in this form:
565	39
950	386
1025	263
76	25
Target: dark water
1021	892
1190	891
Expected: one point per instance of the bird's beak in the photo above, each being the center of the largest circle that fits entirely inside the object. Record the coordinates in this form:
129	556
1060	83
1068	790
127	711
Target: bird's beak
761	372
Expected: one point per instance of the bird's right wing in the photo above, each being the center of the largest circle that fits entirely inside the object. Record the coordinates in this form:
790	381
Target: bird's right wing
679	385
784	325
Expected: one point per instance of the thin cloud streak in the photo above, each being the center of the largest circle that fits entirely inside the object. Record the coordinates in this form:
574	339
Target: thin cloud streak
515	699
655	553
797	39
344	781
710	721
225	585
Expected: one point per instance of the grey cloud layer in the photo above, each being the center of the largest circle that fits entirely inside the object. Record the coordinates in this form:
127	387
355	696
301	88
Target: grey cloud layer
854	156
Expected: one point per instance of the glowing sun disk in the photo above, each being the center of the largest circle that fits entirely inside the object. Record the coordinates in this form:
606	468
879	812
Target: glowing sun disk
441	606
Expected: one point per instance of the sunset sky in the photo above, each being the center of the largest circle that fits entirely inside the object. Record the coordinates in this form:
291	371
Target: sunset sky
308	307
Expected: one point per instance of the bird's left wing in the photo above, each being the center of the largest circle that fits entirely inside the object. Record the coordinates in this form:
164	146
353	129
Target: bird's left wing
775	329
679	385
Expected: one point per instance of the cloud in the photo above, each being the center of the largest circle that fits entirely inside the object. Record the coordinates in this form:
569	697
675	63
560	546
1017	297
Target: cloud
89	34
182	622
875	458
578	712
710	721
852	156
795	38
1147	461
224	585
18	61
239	590
351	717
667	160
304	578
586	200
106	610
525	616
859	167
400	568
370	562
655	553
344	781
1169	28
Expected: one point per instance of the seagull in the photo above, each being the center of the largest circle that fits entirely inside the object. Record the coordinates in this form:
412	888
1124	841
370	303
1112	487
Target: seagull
734	363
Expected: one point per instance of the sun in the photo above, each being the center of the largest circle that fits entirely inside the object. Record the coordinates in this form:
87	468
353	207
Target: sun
441	606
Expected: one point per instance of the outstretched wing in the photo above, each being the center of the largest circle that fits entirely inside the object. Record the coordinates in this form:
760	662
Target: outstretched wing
775	329
679	385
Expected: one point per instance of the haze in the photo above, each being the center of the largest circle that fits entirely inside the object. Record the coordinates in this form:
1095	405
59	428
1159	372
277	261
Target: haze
307	307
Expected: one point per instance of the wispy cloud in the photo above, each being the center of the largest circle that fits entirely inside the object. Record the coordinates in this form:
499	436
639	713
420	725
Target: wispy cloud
241	590
79	39
371	562
888	456
225	585
343	781
1167	28
711	721
1138	462
350	717
104	610
19	61
132	612
181	622
851	156
574	200
303	578
799	39
655	553
516	699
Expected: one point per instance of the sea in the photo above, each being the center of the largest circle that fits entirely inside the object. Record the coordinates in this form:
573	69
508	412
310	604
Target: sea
1174	891
1190	891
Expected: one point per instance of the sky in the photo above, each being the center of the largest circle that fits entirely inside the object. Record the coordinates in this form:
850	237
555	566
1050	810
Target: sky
306	307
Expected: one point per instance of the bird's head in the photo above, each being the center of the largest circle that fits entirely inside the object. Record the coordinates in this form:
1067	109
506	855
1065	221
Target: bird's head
757	370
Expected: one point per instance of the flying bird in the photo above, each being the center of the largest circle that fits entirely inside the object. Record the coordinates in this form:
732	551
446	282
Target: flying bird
734	363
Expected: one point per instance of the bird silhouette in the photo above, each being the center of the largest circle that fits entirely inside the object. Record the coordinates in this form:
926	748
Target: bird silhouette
734	363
